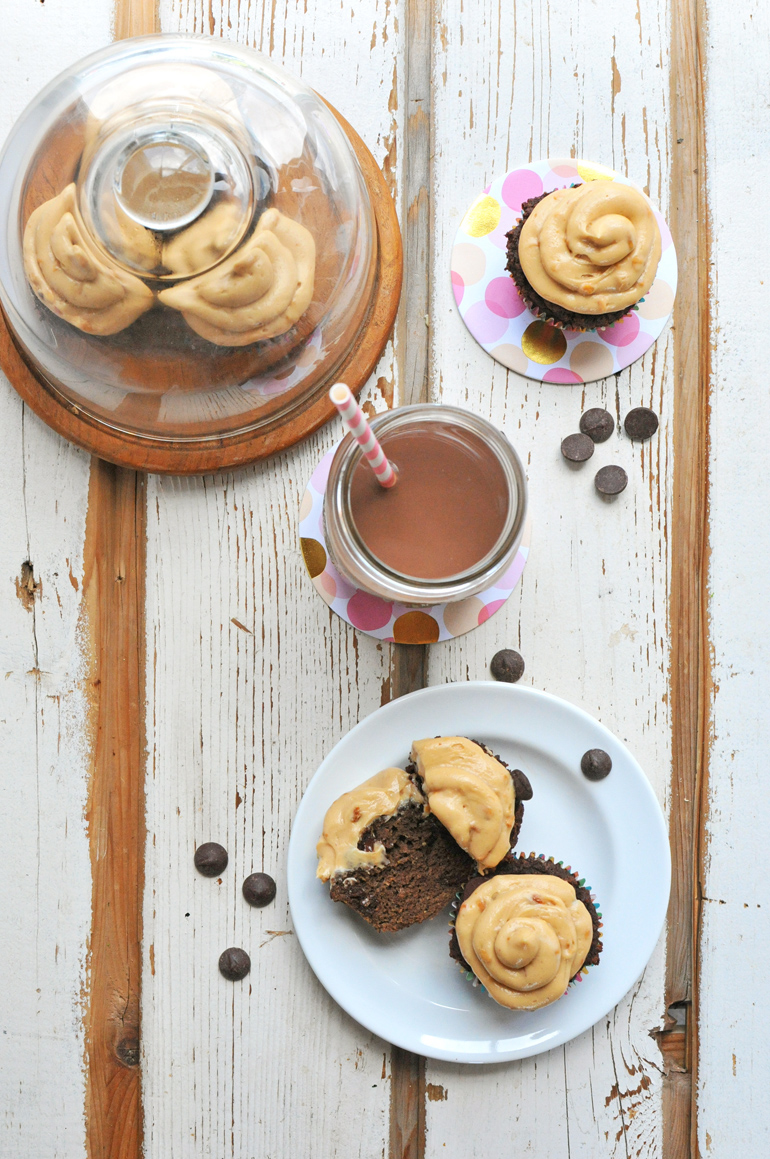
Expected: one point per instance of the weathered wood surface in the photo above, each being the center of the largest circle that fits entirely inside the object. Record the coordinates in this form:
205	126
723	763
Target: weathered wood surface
250	679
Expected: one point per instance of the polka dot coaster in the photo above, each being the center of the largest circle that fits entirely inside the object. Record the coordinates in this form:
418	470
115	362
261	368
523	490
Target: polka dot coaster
392	621
494	312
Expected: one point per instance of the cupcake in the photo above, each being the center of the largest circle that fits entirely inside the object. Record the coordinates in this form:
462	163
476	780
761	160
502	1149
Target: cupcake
583	257
386	856
526	931
473	793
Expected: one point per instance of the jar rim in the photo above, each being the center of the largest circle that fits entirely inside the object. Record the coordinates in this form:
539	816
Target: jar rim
416	588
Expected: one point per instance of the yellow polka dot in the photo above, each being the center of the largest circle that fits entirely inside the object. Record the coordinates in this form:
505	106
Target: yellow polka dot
482	217
543	343
415	628
314	556
590	172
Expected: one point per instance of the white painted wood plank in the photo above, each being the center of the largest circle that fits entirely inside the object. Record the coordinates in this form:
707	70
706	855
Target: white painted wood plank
46	906
590	614
734	1071
237	723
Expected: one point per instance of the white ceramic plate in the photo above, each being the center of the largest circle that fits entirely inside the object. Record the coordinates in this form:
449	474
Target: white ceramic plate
404	986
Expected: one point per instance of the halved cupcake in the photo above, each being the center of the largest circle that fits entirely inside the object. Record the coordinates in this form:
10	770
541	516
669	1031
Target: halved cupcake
387	856
526	931
473	793
583	257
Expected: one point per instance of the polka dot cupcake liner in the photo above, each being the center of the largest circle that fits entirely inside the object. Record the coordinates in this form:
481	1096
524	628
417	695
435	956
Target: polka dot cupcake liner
499	318
471	977
383	619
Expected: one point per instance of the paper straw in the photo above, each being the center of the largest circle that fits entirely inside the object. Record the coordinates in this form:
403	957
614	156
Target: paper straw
353	418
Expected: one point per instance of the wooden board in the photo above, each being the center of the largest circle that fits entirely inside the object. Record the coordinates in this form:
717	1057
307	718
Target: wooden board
250	679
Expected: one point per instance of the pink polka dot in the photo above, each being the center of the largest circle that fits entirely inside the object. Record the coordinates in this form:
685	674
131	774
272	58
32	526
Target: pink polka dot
623	332
368	612
498	237
561	374
519	186
513	575
321	474
503	298
565	170
458	285
665	233
483	324
625	355
328	584
345	589
489	610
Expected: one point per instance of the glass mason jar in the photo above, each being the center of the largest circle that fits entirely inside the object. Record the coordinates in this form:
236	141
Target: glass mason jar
358	563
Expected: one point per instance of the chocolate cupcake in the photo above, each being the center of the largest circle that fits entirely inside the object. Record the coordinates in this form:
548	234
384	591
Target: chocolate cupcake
583	257
387	857
473	793
526	931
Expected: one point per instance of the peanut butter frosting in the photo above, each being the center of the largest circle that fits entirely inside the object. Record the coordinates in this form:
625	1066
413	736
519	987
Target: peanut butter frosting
471	793
524	936
593	249
381	796
206	241
257	293
71	279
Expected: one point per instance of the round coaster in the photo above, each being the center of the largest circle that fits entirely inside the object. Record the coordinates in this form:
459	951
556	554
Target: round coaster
394	622
497	317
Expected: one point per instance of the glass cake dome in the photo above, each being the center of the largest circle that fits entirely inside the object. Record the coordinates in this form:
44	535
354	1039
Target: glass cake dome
188	246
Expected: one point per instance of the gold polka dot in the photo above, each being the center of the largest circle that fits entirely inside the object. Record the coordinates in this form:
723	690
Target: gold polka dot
591	360
543	343
462	616
313	555
591	172
415	628
482	217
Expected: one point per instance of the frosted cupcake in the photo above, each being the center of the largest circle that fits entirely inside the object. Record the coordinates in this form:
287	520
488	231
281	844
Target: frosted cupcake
526	931
583	257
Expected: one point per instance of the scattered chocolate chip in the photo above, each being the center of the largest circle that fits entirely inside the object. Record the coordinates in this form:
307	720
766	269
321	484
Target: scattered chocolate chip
521	785
259	889
507	665
577	448
598	424
211	859
596	764
234	964
641	423
611	480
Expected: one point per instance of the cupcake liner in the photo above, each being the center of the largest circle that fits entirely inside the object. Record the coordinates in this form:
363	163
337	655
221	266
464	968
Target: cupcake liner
581	886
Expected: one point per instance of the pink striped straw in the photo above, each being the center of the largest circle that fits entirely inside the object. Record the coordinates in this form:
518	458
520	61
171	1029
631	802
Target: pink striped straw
353	418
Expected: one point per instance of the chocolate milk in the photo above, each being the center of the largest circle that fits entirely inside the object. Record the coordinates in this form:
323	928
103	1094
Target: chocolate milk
447	510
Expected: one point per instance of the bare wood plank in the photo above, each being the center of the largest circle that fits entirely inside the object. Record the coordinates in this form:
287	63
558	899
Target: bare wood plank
409	661
690	659
113	592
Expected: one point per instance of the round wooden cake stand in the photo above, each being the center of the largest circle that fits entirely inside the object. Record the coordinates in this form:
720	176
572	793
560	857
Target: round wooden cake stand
195	457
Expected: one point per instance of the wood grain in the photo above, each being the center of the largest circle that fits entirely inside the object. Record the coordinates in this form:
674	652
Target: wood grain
690	658
409	661
113	592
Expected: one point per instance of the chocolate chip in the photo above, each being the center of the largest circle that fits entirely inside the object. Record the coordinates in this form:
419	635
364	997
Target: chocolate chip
234	964
611	480
577	448
598	424
211	859
641	423
521	785
507	665
596	764
259	889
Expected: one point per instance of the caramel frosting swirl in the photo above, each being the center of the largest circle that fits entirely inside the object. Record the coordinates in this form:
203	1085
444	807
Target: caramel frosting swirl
471	793
381	796
593	249
71	278
259	292
205	242
524	936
